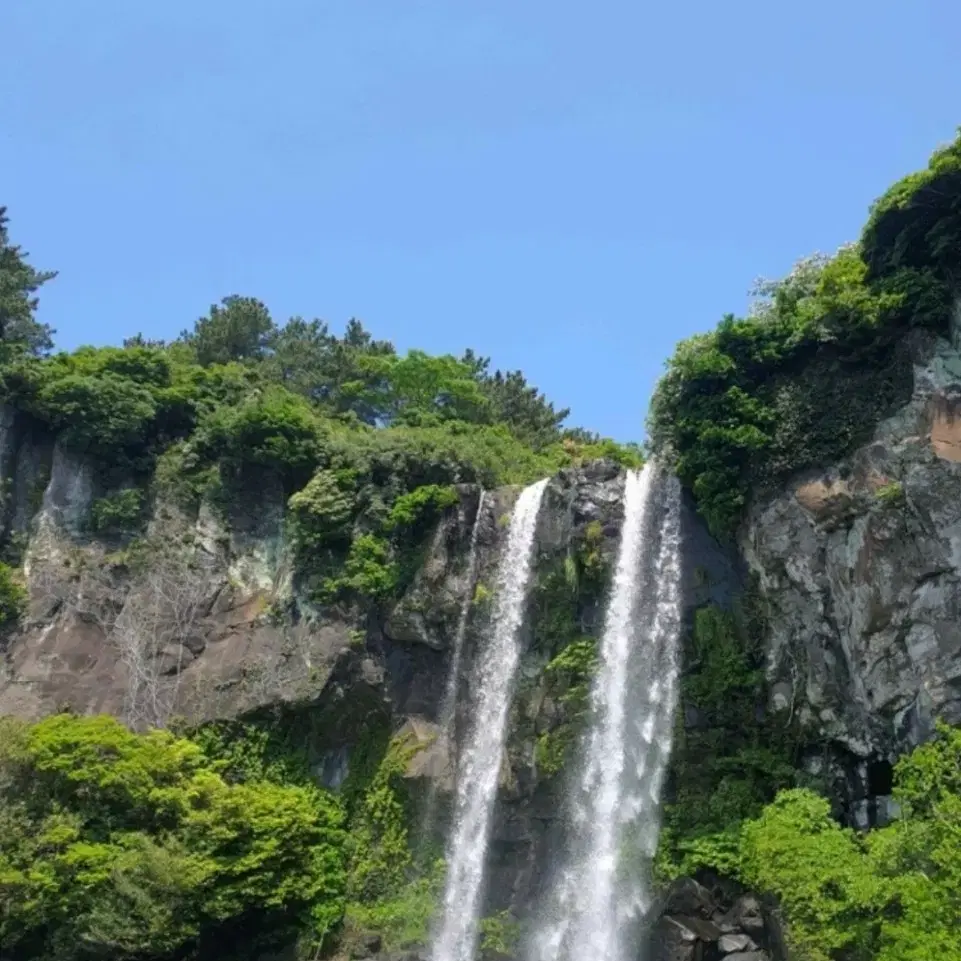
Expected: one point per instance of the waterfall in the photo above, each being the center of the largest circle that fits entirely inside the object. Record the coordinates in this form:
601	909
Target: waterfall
448	704
480	762
601	891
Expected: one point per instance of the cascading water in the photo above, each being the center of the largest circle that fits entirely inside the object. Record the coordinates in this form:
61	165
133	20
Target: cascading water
448	705
601	891
480	761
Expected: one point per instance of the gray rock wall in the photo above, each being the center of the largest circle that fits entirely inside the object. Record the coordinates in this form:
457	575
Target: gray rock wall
861	567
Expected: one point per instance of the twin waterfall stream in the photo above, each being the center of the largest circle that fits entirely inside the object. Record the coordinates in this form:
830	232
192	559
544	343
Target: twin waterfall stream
598	893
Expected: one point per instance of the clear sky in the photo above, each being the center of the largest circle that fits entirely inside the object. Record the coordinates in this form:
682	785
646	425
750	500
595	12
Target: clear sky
566	187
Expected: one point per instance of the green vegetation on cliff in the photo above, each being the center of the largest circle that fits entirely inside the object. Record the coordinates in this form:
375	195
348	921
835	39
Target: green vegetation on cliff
365	443
739	806
730	756
567	596
13	597
823	356
820	359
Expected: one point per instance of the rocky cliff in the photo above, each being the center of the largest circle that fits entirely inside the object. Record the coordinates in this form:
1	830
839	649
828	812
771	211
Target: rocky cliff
199	620
860	563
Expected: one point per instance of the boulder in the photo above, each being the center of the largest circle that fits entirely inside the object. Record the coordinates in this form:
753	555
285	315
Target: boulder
733	943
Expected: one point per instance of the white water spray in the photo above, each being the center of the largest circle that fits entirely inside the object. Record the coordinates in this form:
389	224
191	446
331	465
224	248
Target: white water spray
480	763
601	890
448	705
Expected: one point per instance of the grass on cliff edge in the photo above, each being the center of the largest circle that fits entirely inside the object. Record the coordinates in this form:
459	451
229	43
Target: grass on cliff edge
808	373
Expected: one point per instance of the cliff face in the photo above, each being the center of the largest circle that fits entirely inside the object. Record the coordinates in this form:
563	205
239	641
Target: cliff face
861	567
182	628
200	620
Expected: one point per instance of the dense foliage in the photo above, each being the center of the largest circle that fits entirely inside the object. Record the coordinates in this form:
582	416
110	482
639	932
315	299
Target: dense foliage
120	845
891	895
739	806
820	359
729	756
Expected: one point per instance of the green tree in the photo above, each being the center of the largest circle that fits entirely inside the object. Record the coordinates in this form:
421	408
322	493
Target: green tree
308	359
239	328
20	331
821	875
271	428
418	388
132	846
516	403
920	854
893	894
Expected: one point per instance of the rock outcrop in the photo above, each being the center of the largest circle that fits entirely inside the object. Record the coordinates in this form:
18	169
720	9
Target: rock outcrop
860	565
701	924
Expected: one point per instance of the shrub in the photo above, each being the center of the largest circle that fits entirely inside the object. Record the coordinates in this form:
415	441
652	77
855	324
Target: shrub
568	677
13	597
575	452
570	673
500	934
368	573
97	413
322	512
420	504
820	874
891	494
403	921
916	224
723	671
273	429
482	595
118	512
380	855
396	460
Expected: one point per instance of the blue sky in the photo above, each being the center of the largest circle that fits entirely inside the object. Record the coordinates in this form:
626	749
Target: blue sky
567	188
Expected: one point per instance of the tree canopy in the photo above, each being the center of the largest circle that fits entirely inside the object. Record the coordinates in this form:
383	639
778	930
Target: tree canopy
122	845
